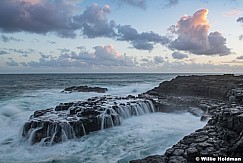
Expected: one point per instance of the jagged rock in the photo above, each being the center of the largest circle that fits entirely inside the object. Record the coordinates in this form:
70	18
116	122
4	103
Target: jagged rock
223	134
84	89
151	159
178	152
176	159
213	86
191	153
75	119
211	94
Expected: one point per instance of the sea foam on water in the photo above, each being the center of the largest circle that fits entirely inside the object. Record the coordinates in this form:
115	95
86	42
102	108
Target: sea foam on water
136	137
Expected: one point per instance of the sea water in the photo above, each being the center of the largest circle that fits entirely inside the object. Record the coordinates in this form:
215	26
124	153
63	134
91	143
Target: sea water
136	137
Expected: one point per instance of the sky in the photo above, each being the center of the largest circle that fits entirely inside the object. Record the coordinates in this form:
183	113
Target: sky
99	36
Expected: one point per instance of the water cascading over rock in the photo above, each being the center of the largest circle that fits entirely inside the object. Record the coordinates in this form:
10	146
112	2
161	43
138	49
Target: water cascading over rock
76	119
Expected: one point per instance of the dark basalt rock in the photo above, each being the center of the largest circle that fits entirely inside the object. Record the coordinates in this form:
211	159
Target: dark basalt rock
210	86
84	89
219	138
216	98
76	119
221	99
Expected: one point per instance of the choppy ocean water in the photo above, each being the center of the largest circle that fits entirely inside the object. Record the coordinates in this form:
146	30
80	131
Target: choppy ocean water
137	137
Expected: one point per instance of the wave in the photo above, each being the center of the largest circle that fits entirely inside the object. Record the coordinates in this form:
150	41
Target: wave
137	137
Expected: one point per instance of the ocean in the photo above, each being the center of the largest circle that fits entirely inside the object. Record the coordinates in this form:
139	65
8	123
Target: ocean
136	137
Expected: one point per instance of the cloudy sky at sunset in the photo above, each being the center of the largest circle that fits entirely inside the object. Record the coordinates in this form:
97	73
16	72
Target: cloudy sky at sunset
79	36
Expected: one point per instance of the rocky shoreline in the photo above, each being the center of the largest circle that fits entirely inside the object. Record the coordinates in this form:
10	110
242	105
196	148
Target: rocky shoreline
220	97
84	89
215	98
76	119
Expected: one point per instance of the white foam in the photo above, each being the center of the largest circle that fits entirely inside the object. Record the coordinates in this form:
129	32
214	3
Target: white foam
10	110
137	137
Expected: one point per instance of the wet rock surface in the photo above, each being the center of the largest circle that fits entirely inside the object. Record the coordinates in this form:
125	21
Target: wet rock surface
220	99
84	89
76	119
210	86
215	98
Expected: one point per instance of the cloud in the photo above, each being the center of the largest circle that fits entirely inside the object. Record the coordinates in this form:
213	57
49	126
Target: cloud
64	50
240	57
8	39
94	22
142	4
217	45
11	62
241	37
2	52
45	16
103	56
140	41
171	3
51	42
135	3
233	13
193	37
158	60
178	55
240	20
23	52
38	16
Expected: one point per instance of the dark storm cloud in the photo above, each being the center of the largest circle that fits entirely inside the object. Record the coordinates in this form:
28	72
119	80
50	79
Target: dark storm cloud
178	55
192	32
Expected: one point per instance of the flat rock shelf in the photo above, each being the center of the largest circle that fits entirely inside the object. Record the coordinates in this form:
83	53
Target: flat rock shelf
76	119
84	89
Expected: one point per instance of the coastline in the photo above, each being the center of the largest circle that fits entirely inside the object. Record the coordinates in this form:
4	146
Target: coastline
204	96
221	139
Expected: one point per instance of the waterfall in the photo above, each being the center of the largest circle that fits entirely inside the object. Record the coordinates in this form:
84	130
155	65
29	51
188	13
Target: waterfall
112	116
59	126
33	134
109	118
54	133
